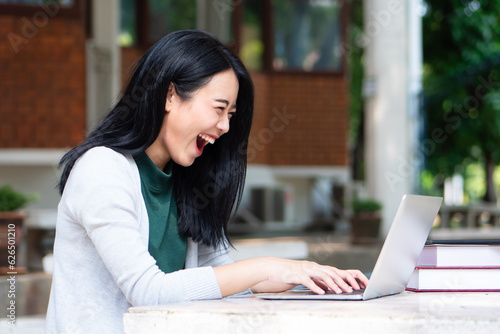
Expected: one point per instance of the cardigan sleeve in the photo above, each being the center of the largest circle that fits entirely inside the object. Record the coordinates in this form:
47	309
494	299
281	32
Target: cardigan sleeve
102	196
210	256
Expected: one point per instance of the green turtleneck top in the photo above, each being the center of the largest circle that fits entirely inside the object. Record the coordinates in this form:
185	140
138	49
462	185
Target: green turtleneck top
157	187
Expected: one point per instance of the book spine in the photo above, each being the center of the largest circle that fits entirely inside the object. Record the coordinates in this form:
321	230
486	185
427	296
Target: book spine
467	268
451	290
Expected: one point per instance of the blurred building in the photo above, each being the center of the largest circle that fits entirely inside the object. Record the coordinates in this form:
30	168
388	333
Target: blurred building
63	63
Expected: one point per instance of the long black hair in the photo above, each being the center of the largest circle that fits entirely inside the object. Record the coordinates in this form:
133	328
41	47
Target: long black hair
208	191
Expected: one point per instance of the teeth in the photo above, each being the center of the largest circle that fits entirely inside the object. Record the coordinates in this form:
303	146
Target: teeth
208	139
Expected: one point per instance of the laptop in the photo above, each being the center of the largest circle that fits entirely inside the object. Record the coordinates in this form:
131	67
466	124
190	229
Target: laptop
398	256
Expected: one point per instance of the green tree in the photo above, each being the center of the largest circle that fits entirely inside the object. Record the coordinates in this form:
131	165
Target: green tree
354	56
461	41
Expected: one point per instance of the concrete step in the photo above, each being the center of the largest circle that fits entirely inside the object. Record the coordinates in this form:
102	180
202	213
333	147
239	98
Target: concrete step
25	294
288	248
23	325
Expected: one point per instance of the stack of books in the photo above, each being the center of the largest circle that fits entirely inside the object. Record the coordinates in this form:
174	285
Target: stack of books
472	265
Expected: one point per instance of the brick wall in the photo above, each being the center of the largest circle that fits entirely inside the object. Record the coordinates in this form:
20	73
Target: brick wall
129	58
258	149
42	85
300	119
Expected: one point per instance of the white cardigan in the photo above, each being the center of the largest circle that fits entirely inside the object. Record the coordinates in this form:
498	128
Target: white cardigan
101	261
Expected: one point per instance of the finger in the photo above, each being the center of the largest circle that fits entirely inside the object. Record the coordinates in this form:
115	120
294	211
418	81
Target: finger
311	285
313	274
351	280
321	285
341	283
360	277
329	281
332	277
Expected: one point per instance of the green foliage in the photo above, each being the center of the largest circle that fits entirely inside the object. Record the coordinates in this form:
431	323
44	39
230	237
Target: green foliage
355	67
11	200
474	186
365	205
461	40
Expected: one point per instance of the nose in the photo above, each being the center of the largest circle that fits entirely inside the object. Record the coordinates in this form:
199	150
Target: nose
223	124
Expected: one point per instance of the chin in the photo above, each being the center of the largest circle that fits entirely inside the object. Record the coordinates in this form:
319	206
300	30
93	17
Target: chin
184	162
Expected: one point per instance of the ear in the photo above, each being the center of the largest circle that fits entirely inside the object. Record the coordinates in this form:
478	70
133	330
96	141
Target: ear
170	97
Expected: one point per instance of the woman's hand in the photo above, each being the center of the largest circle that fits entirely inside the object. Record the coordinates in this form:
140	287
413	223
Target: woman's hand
318	278
269	274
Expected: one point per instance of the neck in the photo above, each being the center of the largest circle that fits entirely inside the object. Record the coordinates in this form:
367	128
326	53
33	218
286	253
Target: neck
158	159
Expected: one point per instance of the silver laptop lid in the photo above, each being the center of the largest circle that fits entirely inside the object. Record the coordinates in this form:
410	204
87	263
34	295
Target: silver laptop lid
403	245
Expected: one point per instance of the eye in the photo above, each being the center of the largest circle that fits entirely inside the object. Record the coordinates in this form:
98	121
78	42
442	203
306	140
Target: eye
231	114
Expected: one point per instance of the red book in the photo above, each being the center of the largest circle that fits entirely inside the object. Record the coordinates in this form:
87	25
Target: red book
455	279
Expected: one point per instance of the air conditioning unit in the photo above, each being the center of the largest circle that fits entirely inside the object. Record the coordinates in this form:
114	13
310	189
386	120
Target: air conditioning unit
271	204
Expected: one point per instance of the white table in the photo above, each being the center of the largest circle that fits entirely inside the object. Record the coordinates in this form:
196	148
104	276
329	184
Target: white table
408	312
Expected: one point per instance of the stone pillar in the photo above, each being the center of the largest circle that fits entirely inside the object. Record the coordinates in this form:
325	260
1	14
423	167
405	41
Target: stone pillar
103	60
392	41
215	16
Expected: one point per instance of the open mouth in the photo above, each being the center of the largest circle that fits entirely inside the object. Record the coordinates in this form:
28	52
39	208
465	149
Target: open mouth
203	140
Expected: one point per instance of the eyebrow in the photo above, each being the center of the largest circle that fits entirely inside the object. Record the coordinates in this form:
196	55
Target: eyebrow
226	102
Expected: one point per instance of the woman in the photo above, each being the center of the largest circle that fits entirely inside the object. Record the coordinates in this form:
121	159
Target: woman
147	197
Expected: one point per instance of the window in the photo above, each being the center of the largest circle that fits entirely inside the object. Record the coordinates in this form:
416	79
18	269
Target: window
128	23
145	22
166	16
71	8
62	3
306	35
251	39
291	35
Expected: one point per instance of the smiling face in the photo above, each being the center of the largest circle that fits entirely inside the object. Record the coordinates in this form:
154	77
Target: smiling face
190	124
